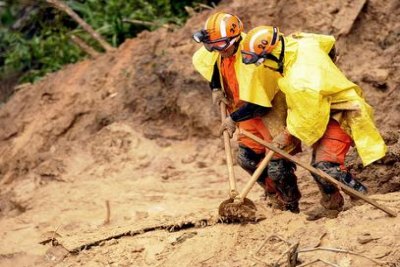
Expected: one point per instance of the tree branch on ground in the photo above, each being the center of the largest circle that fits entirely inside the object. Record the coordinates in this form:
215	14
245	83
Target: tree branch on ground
84	46
63	7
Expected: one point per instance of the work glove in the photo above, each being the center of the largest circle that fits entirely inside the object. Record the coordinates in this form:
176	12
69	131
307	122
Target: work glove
218	97
283	140
227	125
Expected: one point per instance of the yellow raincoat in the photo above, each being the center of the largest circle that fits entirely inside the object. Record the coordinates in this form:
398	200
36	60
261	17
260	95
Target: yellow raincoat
256	85
311	83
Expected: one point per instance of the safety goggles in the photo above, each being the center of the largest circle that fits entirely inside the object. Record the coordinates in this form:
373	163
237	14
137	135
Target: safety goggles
218	44
251	57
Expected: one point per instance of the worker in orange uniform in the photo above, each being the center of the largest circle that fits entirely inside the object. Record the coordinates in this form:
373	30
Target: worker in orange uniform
325	109
219	61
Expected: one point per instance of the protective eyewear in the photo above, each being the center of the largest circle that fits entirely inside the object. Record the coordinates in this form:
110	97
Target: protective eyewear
211	45
251	57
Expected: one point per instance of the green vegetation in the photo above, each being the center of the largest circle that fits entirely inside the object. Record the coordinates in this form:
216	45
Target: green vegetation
34	37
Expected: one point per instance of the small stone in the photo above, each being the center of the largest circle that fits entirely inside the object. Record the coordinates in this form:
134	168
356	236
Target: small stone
189	158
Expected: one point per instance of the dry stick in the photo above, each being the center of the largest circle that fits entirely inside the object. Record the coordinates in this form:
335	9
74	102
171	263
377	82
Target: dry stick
295	245
84	46
267	240
63	7
317	260
206	6
53	240
146	23
108	214
209	258
254	255
320	173
342	251
259	260
320	239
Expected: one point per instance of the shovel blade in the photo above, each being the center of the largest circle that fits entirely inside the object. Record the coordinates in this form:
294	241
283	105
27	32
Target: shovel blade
241	212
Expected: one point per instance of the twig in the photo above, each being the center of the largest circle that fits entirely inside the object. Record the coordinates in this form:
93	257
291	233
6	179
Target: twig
206	6
317	260
260	247
259	260
289	252
84	46
65	8
342	251
209	258
268	239
146	23
53	240
292	255
108	214
393	90
286	251
320	240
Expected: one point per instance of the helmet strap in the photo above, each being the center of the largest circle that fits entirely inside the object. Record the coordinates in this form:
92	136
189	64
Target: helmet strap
281	56
236	44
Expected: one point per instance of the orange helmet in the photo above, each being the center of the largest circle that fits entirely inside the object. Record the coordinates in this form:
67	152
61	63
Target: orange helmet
221	30
259	43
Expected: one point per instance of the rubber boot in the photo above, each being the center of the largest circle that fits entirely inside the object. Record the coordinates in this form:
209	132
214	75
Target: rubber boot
282	174
330	196
332	200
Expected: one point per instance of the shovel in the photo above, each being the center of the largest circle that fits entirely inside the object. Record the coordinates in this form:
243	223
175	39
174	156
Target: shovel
243	205
348	190
228	153
241	208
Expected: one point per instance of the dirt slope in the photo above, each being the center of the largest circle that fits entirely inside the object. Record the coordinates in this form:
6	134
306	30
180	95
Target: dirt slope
135	127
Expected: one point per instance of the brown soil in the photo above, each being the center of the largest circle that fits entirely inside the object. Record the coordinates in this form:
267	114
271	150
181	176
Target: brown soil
135	127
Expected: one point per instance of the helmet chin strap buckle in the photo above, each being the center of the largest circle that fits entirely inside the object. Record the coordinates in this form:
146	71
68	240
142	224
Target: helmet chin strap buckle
259	61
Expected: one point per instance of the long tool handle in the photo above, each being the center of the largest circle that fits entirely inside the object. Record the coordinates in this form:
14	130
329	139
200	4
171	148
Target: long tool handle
256	174
228	152
322	174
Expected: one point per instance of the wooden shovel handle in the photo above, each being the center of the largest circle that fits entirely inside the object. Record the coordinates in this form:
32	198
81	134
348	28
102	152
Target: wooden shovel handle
322	174
228	153
256	174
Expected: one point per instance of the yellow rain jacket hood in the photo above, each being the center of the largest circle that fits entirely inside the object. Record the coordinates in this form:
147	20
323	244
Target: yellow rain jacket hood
311	83
256	85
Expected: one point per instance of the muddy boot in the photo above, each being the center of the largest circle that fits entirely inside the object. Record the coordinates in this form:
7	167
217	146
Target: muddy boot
349	180
293	207
331	197
320	212
281	172
343	176
332	201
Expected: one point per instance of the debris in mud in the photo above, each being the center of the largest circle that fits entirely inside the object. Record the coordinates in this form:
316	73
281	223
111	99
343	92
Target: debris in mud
232	212
382	176
183	237
347	15
79	241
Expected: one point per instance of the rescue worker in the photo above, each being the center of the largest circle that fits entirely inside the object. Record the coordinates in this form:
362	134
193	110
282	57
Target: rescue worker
325	109
219	61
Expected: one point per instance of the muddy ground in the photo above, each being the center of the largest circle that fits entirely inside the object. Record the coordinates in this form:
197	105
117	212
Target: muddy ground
134	130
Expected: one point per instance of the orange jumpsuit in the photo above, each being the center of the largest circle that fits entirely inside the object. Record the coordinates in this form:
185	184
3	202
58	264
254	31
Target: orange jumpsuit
278	178
254	125
333	145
